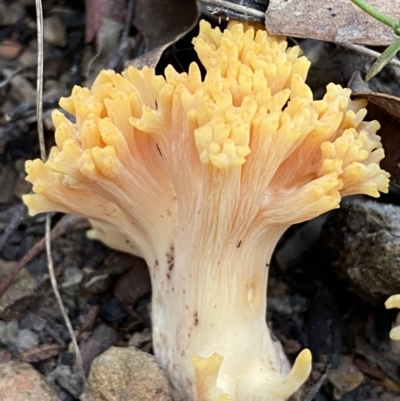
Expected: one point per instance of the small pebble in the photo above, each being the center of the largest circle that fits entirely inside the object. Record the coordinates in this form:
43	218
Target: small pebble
3	333
112	311
32	322
54	32
25	340
66	358
140	338
102	338
280	304
345	378
72	382
9	332
72	276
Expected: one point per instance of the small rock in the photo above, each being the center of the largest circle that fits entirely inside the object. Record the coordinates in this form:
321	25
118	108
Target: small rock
112	311
72	276
66	358
280	304
8	331
345	378
127	374
287	305
55	331
32	322
10	49
20	382
25	340
72	382
54	31
3	332
102	338
364	239
140	338
11	13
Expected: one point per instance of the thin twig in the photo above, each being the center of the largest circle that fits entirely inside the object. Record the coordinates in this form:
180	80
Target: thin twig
368	52
39	79
58	296
8	79
66	224
236	7
39	112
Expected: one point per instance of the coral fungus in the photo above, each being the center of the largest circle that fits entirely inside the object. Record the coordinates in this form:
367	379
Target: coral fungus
200	177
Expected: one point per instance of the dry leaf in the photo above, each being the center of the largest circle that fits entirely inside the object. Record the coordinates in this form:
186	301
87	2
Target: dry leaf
385	109
331	20
99	10
162	23
149	59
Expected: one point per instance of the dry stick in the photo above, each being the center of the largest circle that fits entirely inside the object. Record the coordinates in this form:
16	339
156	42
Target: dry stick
235	7
39	113
66	224
368	52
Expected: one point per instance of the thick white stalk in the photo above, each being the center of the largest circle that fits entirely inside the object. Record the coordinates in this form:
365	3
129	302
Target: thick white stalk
209	301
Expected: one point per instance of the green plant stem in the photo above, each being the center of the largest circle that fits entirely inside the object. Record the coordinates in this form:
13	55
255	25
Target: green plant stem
373	12
385	58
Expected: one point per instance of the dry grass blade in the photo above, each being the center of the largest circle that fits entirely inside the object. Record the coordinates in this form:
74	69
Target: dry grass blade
39	113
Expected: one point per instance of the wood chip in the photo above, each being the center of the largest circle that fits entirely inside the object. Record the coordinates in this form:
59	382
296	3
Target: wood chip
41	353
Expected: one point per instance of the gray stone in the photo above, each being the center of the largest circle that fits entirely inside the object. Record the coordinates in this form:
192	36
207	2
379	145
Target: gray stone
72	382
3	333
32	322
364	239
72	276
10	332
25	340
